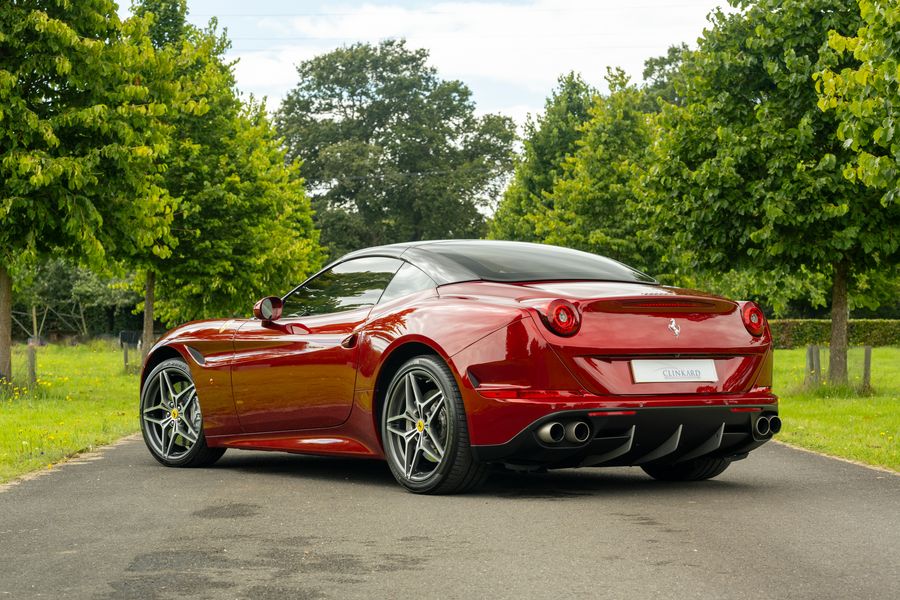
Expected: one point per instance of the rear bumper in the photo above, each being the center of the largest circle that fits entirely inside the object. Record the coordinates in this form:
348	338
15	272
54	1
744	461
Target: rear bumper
634	435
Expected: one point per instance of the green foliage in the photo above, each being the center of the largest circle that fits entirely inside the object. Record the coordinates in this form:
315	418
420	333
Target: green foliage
249	232
797	333
82	97
390	151
594	204
244	225
748	170
866	96
169	23
548	142
660	73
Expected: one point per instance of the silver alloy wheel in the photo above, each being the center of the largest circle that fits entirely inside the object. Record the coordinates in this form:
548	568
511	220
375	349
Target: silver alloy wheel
173	421
416	426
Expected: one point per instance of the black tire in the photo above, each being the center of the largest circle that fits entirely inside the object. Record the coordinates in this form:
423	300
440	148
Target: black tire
198	454
457	471
697	469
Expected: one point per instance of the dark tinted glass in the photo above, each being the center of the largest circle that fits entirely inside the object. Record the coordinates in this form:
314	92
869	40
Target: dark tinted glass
510	261
352	284
408	280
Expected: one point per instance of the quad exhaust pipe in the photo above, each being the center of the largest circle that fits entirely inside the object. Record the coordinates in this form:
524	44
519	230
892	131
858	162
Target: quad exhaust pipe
578	432
554	432
767	425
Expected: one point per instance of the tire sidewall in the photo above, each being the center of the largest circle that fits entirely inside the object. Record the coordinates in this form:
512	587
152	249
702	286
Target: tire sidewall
454	403
182	366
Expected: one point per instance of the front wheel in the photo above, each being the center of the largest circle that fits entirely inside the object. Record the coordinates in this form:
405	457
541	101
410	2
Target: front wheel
171	421
423	427
697	469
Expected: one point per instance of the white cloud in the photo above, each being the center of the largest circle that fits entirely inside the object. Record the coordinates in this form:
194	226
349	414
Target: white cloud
510	54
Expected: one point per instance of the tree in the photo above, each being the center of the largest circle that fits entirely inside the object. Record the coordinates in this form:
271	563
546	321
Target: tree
81	96
390	151
594	202
549	140
243	225
747	171
866	97
659	75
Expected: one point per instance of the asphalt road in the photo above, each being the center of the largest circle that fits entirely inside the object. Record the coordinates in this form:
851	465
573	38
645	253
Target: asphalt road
781	524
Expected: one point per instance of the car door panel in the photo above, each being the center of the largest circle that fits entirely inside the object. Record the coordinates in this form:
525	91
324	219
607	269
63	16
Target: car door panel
299	371
295	375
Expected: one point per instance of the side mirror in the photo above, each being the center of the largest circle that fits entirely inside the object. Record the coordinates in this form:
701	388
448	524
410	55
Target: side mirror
268	309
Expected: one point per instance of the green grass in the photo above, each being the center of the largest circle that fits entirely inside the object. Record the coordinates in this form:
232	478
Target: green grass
838	420
83	399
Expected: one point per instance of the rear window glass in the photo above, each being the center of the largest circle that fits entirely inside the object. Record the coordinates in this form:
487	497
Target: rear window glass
512	261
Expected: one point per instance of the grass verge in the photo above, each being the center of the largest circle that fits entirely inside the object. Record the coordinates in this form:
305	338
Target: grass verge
83	399
838	420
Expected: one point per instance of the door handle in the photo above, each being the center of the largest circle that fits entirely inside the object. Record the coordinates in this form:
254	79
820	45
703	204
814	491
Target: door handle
350	340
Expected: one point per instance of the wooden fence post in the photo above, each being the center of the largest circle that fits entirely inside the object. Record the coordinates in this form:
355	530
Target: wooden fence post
817	365
125	350
867	369
810	366
32	349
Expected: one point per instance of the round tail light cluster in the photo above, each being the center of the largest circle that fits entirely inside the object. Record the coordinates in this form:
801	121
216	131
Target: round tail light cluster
562	318
754	320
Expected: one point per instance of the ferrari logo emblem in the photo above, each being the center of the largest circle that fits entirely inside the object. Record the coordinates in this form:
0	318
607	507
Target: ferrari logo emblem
420	426
674	328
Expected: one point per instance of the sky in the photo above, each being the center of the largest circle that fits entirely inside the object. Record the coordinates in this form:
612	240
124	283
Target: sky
509	52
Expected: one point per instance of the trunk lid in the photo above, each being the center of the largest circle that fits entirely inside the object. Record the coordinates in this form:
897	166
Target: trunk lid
624	322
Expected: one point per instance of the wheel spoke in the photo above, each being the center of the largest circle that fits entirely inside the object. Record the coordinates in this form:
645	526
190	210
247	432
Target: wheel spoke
161	421
402	417
397	432
165	386
417	393
152	408
435	408
412	458
189	391
190	429
408	395
172	435
438	447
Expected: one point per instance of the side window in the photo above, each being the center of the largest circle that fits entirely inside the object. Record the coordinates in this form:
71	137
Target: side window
408	280
353	284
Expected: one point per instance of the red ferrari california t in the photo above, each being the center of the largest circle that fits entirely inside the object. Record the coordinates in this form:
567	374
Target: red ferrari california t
444	357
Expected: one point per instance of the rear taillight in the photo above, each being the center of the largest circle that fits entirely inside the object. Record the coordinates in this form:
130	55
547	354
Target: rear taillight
753	318
563	318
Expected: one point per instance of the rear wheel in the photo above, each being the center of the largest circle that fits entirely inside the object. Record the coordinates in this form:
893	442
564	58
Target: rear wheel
689	470
423	427
171	421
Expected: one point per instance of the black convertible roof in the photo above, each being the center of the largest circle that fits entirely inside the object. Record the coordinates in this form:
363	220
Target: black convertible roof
455	261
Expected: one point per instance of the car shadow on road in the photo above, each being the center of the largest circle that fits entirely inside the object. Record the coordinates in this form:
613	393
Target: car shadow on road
502	483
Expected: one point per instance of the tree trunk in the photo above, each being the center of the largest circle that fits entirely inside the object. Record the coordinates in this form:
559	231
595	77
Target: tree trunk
840	316
5	324
147	337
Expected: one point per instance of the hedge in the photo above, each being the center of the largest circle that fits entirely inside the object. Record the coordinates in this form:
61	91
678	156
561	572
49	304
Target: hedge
797	333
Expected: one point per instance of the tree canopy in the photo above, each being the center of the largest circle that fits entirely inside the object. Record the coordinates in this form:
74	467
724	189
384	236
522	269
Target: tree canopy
748	170
593	204
243	227
82	101
390	151
866	96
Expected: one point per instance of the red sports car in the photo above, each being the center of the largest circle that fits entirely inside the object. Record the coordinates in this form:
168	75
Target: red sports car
444	357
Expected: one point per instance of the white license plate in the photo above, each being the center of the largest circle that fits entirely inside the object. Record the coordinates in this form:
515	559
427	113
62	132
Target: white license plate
673	370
